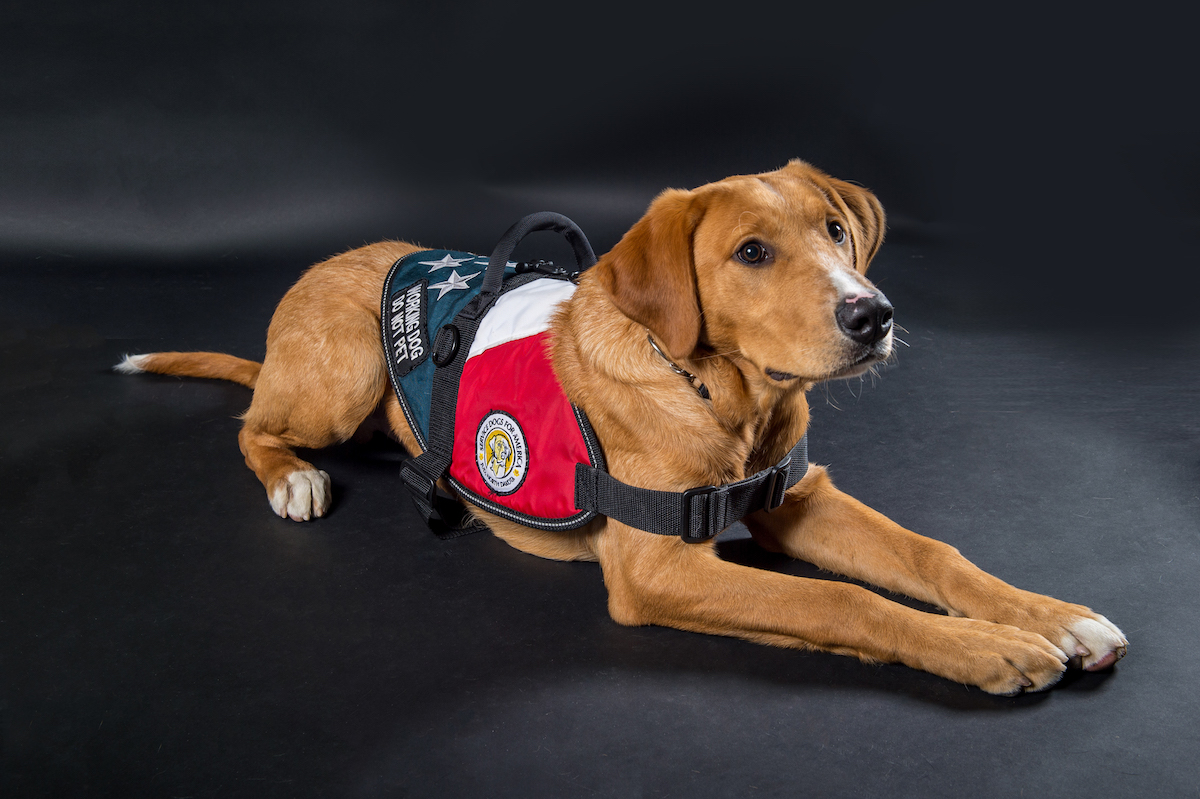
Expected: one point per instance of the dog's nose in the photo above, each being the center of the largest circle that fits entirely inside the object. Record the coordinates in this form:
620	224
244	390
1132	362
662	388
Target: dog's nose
866	318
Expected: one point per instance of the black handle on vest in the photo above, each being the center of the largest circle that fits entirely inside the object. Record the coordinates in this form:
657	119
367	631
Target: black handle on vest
585	257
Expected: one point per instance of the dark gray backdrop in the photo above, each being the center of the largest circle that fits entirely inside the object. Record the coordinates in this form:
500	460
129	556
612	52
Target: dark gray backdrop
1058	143
167	169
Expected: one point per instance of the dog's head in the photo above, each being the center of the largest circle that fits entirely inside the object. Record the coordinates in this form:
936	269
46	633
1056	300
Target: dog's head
767	270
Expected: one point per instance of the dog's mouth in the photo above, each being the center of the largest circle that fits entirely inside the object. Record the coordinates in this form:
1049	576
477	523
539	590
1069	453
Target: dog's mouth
863	363
854	369
860	364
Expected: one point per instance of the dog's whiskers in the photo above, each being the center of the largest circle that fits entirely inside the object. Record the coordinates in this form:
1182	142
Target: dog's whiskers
730	354
829	400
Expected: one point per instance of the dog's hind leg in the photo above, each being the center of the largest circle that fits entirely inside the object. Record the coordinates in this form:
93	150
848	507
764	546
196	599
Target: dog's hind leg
313	414
322	378
296	489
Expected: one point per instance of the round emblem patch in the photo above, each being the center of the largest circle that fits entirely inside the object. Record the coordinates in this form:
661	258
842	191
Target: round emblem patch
501	453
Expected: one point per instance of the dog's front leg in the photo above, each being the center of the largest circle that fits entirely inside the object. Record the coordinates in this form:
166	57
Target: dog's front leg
657	580
826	527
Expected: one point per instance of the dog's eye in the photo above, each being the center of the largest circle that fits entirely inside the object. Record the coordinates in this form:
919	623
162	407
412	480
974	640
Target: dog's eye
837	232
753	254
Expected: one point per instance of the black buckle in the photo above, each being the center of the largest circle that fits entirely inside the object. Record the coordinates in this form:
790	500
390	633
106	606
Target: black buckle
685	515
777	484
547	268
541	267
421	485
446	516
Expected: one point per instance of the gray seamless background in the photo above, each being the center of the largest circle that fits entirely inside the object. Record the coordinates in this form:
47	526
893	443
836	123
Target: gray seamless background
167	171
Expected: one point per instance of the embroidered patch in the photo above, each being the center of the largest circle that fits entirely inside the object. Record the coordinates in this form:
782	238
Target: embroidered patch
455	282
501	452
407	331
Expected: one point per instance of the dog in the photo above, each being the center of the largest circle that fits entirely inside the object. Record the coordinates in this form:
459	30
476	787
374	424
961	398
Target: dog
756	286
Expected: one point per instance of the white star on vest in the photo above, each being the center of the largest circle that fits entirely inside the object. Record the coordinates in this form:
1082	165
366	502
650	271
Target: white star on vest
453	283
446	262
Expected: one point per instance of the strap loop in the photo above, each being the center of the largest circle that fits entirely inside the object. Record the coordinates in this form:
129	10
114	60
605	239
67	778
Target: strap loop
704	528
777	484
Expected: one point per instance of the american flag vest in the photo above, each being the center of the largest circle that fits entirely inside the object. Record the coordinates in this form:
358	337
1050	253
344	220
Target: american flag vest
516	436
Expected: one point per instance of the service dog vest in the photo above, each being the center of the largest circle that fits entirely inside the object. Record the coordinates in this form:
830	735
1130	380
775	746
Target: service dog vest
467	342
517	437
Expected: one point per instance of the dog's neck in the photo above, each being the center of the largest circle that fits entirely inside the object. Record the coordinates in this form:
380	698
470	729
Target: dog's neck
639	405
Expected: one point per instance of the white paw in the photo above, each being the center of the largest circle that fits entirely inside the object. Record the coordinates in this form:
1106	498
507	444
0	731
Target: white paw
302	496
1093	644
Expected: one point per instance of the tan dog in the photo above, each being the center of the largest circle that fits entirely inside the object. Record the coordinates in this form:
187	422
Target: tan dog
756	285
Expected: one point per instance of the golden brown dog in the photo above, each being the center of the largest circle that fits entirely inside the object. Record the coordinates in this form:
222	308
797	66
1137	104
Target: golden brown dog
756	284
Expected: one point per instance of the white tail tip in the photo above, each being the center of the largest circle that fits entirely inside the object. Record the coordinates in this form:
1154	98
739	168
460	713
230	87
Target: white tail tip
131	365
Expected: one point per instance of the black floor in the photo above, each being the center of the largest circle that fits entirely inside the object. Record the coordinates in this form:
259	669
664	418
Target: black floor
163	634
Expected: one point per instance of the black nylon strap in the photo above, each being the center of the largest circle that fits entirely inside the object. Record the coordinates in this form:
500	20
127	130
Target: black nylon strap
445	515
695	515
420	474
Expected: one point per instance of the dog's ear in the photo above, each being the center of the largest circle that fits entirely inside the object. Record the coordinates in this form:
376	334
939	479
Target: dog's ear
651	273
866	219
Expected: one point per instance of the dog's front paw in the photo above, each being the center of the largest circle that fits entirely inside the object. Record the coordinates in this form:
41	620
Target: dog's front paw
302	496
998	658
1092	642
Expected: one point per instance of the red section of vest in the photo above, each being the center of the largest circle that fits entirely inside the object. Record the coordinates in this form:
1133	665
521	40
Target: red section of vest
516	378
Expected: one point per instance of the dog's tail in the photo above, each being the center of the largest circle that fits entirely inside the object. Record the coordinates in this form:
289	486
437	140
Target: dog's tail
193	364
